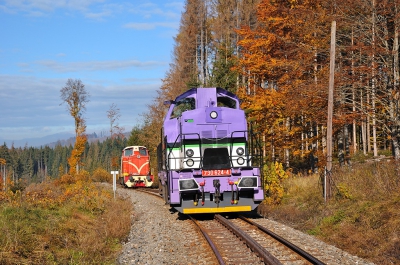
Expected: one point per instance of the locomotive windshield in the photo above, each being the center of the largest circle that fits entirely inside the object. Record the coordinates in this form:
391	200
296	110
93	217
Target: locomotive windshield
182	106
128	152
142	151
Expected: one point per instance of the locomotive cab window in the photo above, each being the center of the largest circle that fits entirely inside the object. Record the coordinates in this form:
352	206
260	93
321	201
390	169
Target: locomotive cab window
142	151
128	152
182	106
226	102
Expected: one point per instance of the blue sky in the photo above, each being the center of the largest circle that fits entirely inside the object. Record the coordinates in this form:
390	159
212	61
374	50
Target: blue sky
120	50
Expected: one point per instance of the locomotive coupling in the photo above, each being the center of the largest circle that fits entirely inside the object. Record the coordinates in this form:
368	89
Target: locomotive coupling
217	194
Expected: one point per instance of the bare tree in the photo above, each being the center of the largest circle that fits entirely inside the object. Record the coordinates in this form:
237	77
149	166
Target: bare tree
113	115
116	132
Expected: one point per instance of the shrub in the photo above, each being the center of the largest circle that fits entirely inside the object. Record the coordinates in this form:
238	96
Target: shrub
78	223
101	175
362	217
274	175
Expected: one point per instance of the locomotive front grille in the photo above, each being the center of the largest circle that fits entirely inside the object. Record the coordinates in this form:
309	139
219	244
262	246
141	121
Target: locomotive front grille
206	134
216	158
210	134
222	133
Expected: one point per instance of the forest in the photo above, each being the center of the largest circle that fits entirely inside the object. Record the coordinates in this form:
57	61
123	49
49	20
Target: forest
275	55
34	165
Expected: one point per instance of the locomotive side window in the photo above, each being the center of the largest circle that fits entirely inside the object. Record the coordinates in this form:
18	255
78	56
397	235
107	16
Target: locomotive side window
182	106
128	152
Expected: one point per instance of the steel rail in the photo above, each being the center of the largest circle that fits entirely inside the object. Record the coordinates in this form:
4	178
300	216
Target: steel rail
153	192
267	257
210	242
290	245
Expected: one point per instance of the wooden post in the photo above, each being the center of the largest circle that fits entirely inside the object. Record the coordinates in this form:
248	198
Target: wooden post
328	175
114	173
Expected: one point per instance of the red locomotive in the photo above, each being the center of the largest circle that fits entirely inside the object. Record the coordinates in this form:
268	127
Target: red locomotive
135	167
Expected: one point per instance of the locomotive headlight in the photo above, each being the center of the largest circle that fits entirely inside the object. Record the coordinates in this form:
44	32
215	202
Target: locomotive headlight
190	162
188	184
213	114
240	160
240	151
189	152
248	182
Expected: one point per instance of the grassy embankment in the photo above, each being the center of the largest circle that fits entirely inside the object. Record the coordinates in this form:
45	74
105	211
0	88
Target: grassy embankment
67	221
363	217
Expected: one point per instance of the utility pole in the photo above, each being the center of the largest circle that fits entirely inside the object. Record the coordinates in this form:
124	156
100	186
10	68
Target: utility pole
328	173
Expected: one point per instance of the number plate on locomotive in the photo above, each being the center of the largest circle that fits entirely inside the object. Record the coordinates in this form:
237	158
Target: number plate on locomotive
216	172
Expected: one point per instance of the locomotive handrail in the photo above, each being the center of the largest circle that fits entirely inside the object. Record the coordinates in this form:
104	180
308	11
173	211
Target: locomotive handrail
198	137
245	132
169	154
250	155
261	155
174	144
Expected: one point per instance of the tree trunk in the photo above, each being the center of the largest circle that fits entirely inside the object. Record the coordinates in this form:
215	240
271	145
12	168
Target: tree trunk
341	147
373	84
353	95
395	100
395	143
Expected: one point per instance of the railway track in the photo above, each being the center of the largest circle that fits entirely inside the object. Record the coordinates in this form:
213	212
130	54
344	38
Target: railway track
153	192
240	240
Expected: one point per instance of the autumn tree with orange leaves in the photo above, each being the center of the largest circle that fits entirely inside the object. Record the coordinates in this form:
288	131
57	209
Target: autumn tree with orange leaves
284	62
76	97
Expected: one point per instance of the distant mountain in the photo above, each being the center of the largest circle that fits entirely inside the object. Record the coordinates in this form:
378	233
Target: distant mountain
63	139
37	142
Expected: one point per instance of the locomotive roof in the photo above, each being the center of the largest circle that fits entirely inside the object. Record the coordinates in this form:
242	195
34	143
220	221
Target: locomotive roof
194	91
134	147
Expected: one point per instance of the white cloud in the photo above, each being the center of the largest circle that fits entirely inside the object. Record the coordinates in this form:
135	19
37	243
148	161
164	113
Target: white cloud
178	5
31	104
94	9
166	10
49	5
98	15
63	67
150	26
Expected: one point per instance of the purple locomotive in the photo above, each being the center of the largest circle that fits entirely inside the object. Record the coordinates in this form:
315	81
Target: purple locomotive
207	160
